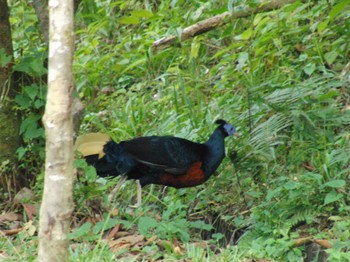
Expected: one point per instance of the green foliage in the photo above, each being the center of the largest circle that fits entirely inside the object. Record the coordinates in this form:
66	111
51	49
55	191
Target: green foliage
278	76
4	59
274	75
29	72
172	225
31	102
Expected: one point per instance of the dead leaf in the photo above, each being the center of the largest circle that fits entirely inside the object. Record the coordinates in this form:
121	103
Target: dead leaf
24	195
11	216
29	228
11	232
178	251
132	239
323	242
158	217
30	210
113	232
114	212
124	242
308	166
118	248
302	241
151	240
164	244
122	234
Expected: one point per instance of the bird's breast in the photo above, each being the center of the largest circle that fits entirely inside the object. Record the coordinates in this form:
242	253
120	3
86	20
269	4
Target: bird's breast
193	177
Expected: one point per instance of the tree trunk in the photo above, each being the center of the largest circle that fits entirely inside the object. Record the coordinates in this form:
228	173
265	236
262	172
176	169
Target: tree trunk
57	203
9	122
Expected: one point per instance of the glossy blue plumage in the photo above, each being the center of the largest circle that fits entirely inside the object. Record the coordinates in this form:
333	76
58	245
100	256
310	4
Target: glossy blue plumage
165	160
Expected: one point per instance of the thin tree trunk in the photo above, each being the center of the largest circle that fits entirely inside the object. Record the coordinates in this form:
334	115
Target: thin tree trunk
57	203
9	121
42	13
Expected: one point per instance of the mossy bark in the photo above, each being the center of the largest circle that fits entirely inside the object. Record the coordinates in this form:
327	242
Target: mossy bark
9	121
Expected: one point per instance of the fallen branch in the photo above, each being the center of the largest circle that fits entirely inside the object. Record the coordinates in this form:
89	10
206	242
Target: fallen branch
11	232
306	240
218	20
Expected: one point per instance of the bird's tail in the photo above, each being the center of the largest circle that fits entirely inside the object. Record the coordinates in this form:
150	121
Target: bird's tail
99	151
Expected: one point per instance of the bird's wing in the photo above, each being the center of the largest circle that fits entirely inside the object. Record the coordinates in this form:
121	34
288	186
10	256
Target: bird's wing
172	154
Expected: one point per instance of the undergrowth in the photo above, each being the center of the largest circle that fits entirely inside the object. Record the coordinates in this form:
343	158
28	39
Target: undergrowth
277	76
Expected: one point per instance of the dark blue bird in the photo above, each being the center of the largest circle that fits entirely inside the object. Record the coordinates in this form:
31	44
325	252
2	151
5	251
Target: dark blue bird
164	160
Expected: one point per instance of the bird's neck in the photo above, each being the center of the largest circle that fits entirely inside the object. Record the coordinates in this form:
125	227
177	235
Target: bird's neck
216	152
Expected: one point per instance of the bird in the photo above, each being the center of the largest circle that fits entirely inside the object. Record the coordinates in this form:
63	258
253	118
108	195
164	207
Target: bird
163	160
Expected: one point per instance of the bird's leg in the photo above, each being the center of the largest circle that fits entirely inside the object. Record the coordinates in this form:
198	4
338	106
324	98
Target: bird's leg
139	194
122	179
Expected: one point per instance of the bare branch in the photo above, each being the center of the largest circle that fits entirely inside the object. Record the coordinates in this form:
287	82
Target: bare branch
216	21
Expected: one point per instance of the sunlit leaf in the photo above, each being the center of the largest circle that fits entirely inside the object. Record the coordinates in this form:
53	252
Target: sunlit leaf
141	13
339	7
195	46
129	20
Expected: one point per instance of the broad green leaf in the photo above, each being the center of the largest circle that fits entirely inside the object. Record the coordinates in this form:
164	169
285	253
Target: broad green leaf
195	46
291	185
335	218
4	59
29	121
309	68
332	197
200	225
141	13
81	231
39	103
146	223
23	101
322	26
337	9
218	236
23	67
303	57
245	35
90	173
328	95
34	132
20	152
257	19
134	64
32	91
129	20
242	60
37	66
336	183
105	225
330	57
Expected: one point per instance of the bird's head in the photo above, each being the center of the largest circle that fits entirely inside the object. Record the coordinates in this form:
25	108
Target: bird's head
227	128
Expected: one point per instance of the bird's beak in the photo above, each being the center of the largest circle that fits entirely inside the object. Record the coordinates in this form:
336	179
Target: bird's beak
236	135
